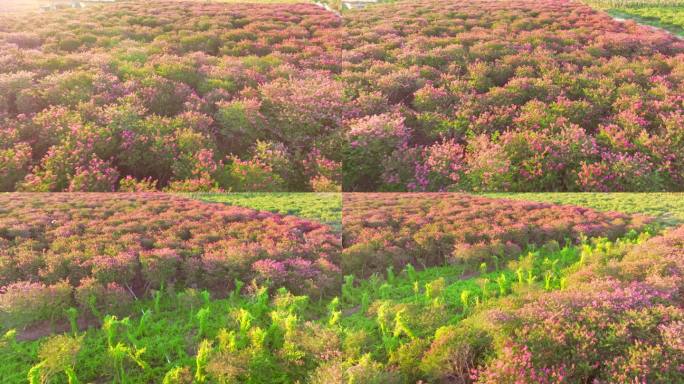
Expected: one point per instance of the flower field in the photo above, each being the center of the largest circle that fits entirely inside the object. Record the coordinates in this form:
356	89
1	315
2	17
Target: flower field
342	192
514	95
99	251
185	96
573	295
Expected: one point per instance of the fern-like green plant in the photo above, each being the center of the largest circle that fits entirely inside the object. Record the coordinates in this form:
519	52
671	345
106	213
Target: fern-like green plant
411	272
382	318
245	319
465	300
227	340
502	282
57	355
109	327
434	288
365	302
519	274
119	353
348	289
385	291
201	360
485	287
258	337
416	290
143	323
177	375
400	326
72	315
157	296
236	292
548	278
334	313
390	275
206	296
202	319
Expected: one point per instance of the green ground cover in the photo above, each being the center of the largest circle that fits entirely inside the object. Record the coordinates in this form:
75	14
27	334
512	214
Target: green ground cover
668	18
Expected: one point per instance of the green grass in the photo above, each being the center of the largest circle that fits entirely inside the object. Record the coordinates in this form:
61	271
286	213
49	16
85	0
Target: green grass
667	207
668	18
323	207
663	14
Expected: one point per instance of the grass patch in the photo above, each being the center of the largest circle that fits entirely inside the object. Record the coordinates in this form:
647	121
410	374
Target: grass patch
668	18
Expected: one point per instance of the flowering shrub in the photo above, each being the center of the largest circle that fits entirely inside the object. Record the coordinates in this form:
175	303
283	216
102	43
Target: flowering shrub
442	166
369	138
24	302
96	176
14	164
393	229
95	298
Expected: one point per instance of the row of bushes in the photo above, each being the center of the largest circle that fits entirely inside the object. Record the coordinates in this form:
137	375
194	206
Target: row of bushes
428	229
130	244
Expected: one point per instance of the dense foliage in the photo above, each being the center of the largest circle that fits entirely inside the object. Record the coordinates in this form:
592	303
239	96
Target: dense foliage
417	95
98	251
620	321
427	229
597	311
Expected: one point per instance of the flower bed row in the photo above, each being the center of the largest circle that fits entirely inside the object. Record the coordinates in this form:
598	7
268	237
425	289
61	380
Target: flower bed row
110	246
393	229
